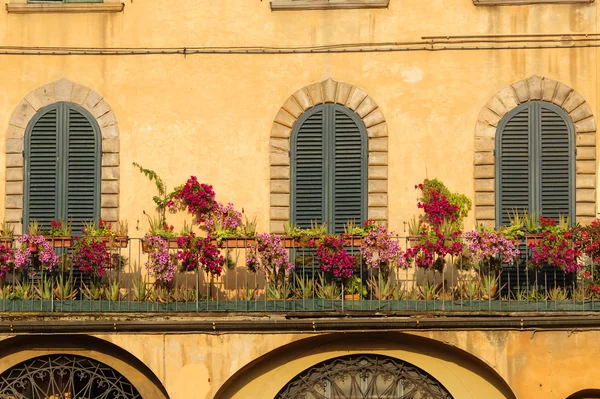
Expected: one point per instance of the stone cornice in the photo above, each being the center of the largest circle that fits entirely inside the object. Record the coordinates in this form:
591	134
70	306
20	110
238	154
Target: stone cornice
527	2
38	8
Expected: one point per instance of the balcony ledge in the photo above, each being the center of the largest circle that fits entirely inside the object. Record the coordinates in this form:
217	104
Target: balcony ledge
527	2
294	5
64	8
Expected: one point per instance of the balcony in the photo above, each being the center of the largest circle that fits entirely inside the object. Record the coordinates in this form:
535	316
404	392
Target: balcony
129	285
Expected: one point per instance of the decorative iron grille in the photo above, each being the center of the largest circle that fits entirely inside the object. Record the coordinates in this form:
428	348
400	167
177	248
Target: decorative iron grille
64	377
364	377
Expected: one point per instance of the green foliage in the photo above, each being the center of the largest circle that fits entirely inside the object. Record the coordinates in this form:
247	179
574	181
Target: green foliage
7	229
463	202
140	290
93	292
64	289
163	197
354	285
327	289
383	287
112	292
43	289
428	290
304	288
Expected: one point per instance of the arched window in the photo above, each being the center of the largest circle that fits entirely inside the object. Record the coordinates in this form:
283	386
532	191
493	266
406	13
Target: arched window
62	167
329	168
363	376
65	376
535	162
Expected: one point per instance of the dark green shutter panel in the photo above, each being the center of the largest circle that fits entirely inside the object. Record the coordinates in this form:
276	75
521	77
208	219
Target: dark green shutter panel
42	196
349	164
556	165
308	156
82	166
513	170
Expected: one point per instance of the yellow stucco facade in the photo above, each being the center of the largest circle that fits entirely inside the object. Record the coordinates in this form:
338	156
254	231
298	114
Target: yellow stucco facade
213	89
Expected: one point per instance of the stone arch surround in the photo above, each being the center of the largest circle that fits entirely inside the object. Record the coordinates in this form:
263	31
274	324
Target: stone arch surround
540	89
61	90
327	91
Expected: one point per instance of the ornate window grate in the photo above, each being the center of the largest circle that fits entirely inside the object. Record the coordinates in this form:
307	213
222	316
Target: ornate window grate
364	377
64	377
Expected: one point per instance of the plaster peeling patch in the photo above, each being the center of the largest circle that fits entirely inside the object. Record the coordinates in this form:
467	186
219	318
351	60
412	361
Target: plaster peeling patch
412	75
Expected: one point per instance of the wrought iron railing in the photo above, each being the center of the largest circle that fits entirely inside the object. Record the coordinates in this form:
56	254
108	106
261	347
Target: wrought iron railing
127	287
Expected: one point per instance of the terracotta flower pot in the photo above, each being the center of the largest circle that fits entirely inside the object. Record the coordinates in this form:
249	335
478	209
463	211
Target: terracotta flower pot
6	241
413	241
59	241
533	239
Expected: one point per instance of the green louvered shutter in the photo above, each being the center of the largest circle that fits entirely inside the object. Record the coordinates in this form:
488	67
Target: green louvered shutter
62	167
556	158
82	171
41	154
308	171
349	171
512	162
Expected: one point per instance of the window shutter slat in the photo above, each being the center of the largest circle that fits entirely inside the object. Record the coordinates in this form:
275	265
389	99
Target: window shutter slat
556	164
348	172
82	176
309	172
514	166
42	174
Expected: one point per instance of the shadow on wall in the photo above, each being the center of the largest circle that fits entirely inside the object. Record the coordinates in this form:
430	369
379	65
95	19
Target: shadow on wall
21	348
462	374
586	394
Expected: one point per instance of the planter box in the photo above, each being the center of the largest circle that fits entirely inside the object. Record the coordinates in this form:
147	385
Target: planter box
6	241
59	241
118	242
533	239
413	241
355	241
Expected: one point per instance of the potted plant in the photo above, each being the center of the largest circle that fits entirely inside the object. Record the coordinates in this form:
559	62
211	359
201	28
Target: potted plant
488	249
268	255
533	229
415	231
91	257
555	247
380	249
59	234
7	260
354	288
103	231
7	234
515	231
333	257
295	237
157	228
197	251
46	257
160	264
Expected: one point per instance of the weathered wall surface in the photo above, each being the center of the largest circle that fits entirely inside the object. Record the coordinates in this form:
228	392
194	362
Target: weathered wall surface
211	115
470	364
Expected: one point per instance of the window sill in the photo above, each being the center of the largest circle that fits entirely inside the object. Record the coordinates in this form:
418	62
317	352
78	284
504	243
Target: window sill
291	5
526	2
64	8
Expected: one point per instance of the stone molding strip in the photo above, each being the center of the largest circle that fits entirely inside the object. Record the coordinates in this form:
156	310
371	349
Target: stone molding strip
541	89
61	90
293	5
527	2
327	91
37	8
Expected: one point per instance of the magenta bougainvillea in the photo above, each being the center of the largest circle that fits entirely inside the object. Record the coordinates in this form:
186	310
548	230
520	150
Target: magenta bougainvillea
90	256
197	198
556	247
200	251
436	206
432	248
333	256
7	261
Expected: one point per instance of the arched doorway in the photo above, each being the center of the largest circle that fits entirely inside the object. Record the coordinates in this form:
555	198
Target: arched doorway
364	376
63	376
